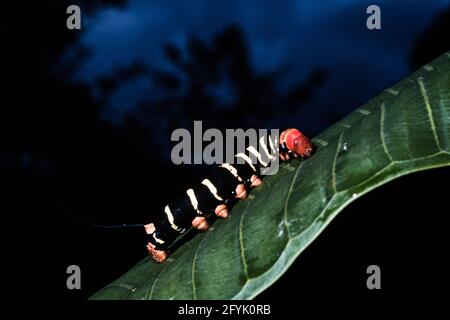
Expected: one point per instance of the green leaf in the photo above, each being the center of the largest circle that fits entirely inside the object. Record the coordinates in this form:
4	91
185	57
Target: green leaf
404	129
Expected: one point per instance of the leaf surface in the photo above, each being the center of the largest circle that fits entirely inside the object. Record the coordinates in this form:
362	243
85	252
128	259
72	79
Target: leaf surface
404	129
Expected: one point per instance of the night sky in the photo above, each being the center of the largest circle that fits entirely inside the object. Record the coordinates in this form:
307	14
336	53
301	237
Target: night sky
295	37
86	118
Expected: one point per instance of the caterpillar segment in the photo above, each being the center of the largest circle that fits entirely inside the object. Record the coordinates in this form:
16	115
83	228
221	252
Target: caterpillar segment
227	182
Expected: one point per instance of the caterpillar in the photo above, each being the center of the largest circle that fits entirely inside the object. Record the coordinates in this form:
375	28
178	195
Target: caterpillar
227	182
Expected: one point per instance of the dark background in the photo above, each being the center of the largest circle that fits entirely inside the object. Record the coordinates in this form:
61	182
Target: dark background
86	118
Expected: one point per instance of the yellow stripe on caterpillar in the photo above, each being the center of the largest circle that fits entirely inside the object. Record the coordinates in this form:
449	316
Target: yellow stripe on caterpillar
194	201
264	147
212	189
157	239
246	159
171	219
272	145
253	151
232	170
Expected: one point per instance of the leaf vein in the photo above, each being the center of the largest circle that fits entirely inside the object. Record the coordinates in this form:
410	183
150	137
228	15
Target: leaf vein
383	140
364	111
241	241
194	289
426	100
333	168
392	91
321	142
291	187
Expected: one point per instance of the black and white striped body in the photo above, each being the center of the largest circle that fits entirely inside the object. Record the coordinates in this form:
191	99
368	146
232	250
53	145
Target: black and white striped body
217	189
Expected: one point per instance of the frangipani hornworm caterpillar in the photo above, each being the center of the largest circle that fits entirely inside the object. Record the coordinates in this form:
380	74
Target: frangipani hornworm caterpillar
226	182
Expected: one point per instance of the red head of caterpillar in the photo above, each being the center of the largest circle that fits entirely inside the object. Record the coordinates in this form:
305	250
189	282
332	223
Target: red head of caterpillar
296	142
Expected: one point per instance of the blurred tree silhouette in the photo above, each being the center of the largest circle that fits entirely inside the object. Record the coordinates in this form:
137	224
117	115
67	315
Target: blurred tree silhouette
57	147
214	82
